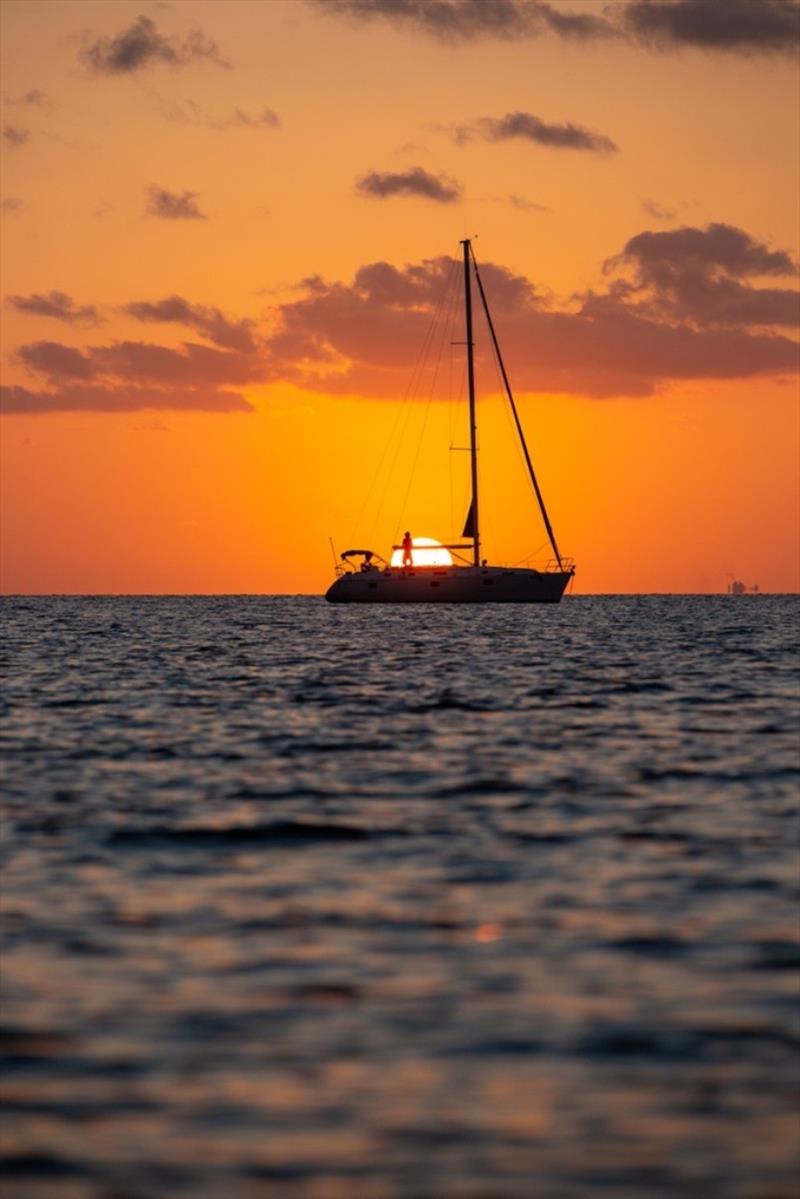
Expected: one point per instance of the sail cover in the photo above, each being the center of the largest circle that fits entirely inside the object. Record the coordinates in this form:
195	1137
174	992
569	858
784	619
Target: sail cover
469	523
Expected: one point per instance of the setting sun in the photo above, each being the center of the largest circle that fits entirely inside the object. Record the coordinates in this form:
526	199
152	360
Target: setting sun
426	551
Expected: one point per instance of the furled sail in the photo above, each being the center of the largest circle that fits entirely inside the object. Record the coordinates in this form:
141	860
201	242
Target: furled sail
469	523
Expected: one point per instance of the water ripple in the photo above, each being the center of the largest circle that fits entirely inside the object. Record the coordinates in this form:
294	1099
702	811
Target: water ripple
306	901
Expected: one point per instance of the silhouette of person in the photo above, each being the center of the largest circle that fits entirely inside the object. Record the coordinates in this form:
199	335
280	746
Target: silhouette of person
366	565
407	544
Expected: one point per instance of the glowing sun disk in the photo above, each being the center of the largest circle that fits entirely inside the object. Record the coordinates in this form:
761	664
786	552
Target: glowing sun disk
425	552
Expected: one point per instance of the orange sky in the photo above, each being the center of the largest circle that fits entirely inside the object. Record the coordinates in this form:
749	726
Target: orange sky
203	364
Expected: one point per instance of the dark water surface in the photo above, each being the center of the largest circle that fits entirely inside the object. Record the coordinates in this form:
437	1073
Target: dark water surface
385	902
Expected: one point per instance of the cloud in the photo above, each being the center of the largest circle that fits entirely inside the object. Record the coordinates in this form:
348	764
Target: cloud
733	26
680	304
208	322
128	375
717	245
123	398
695	275
55	360
525	125
152	426
11	204
524	205
173	206
266	119
99	378
658	211
191	113
191	365
359	338
472	20
59	305
33	96
141	46
413	182
15	136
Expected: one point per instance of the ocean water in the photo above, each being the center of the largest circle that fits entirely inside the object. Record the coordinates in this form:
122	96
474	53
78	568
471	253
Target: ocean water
354	903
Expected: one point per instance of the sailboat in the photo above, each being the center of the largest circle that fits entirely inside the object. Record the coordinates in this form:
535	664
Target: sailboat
456	574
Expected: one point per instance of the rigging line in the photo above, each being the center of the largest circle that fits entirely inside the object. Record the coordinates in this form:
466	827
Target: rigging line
450	434
444	321
378	473
393	441
514	439
444	324
421	436
435	324
450	408
404	412
465	484
457	390
396	435
420	440
510	395
531	555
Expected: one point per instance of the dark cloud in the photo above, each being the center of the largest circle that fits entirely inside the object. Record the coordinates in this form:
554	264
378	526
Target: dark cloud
191	113
717	245
141	46
471	20
696	275
55	360
376	323
525	125
33	96
735	26
98	378
173	206
677	305
59	305
124	375
208	322
413	182
266	119
15	136
524	205
192	365
359	338
122	398
658	211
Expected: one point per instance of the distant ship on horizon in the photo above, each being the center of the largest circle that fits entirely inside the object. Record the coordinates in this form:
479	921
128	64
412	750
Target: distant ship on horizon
422	570
736	587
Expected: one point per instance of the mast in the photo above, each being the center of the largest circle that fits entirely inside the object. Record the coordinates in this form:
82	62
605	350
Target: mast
473	431
517	422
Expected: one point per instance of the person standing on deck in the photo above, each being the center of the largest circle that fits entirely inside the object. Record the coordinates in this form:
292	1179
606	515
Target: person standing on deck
407	545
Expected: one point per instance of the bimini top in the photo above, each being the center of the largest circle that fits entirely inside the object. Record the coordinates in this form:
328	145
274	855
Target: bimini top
357	553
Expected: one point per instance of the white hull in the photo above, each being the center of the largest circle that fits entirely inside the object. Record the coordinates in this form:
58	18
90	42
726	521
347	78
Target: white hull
449	585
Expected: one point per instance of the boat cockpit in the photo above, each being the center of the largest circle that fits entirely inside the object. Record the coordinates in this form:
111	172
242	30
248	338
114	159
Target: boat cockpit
369	562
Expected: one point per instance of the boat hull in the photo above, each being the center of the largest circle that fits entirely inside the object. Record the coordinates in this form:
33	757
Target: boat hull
451	585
